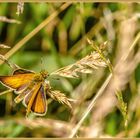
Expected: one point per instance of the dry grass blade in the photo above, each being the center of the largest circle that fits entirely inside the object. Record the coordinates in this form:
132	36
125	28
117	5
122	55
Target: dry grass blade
2	46
60	97
85	65
5	19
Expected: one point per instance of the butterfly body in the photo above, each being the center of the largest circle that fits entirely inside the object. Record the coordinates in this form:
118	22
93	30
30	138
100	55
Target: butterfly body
32	88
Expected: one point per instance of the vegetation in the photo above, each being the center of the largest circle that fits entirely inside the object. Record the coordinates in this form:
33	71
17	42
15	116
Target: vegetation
92	54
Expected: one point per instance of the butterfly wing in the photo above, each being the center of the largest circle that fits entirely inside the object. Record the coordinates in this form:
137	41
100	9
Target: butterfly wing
39	106
22	71
36	101
22	95
18	80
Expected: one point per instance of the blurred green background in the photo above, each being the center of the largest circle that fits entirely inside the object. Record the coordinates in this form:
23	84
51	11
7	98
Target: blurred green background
63	42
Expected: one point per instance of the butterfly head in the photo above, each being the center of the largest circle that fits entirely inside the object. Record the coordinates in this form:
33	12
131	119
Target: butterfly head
44	74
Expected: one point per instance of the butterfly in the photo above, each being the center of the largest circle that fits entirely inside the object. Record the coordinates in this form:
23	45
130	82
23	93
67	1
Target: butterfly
32	87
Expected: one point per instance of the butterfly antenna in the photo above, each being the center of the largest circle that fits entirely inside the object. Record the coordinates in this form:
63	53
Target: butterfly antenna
42	64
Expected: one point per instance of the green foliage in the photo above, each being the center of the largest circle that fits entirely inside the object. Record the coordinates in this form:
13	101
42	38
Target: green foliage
63	41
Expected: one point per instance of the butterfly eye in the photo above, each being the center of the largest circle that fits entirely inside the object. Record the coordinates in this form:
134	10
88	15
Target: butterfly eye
44	74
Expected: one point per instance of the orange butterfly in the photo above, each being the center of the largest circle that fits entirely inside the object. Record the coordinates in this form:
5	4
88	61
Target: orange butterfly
31	88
